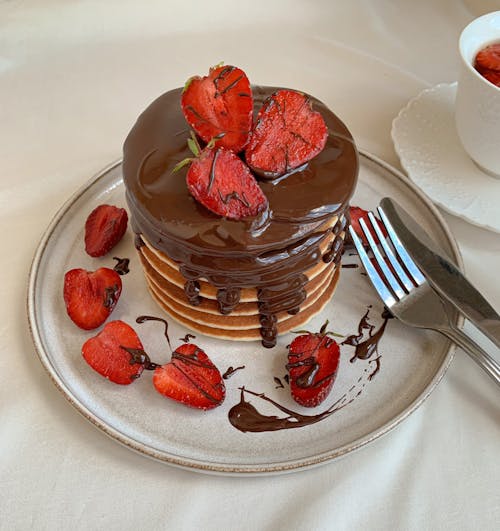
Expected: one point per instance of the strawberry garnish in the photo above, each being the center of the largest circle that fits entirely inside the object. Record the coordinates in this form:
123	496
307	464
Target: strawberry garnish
355	213
287	134
190	378
104	228
313	360
489	57
91	296
220	106
222	182
117	353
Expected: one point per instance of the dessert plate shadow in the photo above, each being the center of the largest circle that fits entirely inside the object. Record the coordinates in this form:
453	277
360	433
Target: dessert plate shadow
376	393
428	145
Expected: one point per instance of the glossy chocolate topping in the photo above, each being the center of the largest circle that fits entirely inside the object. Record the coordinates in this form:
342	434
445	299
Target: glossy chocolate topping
271	251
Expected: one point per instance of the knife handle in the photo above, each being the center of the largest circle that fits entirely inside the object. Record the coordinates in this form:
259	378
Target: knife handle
482	358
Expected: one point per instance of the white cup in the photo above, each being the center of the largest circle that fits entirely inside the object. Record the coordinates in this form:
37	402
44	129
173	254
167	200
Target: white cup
477	105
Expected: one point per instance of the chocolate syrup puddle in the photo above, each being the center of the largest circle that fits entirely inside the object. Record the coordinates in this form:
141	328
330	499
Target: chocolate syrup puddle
121	266
230	371
246	418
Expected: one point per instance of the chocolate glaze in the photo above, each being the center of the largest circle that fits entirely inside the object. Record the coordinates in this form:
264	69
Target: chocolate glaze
270	251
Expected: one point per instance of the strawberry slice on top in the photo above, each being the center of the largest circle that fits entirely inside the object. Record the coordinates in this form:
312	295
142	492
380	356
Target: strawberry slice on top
287	134
220	106
313	360
219	180
190	378
91	296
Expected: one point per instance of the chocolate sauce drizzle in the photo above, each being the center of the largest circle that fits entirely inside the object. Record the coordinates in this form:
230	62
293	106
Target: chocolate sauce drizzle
143	318
246	418
249	253
187	338
121	266
110	298
365	348
230	371
139	356
337	246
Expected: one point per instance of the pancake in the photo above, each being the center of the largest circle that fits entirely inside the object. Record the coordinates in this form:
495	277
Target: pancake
250	278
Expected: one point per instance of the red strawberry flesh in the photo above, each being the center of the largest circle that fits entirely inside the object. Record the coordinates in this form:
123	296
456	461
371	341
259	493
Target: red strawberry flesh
91	296
104	228
106	353
191	379
223	183
313	361
220	105
287	134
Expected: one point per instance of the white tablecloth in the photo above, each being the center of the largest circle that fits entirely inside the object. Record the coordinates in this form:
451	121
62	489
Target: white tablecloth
73	78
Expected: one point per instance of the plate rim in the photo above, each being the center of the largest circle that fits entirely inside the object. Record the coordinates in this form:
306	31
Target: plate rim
197	465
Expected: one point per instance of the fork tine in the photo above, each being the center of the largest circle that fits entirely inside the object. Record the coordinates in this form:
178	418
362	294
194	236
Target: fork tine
390	278
403	277
400	250
377	282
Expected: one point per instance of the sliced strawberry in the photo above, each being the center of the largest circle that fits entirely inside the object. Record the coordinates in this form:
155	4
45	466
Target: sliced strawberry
116	353
104	228
287	134
220	105
313	360
190	378
355	213
91	296
489	57
224	184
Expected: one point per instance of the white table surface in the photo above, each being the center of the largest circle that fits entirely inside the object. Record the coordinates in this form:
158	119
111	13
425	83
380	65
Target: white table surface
73	77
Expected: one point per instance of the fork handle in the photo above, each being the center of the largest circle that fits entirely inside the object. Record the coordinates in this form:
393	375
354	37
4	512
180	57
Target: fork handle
482	358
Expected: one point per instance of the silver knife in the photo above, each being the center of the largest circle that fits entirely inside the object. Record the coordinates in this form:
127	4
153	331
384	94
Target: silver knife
441	273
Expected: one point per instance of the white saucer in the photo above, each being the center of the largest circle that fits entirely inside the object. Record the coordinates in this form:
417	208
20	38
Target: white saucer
427	143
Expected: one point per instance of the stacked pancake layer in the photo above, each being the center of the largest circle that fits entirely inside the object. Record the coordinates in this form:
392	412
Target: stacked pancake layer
208	313
249	279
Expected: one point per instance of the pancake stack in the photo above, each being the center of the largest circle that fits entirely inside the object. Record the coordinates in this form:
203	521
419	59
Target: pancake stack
249	279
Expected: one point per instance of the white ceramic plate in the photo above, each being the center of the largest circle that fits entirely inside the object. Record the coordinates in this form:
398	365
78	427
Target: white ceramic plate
412	362
429	148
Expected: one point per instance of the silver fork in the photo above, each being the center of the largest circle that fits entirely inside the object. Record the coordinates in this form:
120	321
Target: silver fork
407	294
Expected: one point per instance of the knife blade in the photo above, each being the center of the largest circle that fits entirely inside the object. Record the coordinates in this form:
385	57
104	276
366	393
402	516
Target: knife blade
441	273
